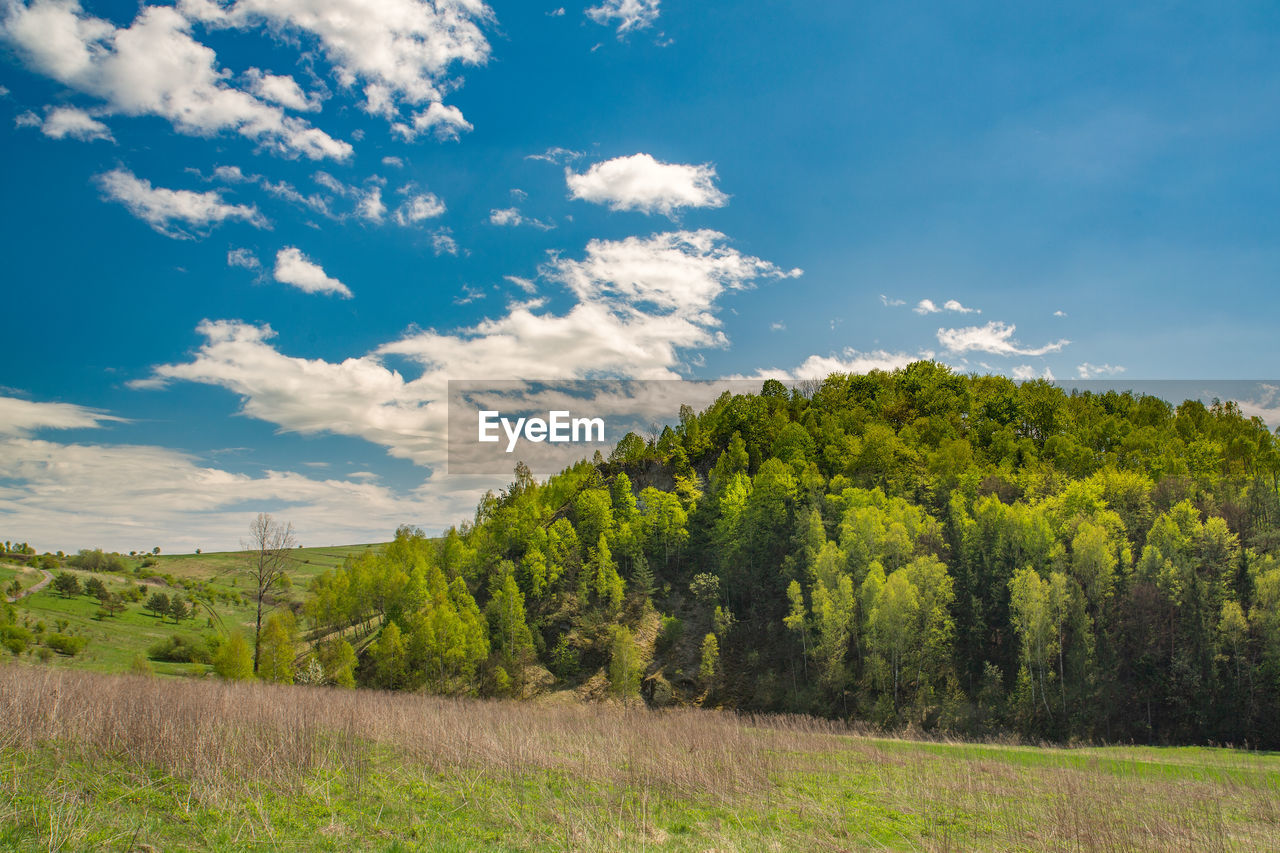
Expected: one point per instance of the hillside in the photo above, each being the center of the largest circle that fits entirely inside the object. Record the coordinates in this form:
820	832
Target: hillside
918	548
124	762
211	584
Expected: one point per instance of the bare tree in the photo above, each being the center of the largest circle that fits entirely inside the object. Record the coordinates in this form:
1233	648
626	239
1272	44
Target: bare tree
269	546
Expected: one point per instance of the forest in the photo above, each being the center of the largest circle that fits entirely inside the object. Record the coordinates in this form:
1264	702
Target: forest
918	549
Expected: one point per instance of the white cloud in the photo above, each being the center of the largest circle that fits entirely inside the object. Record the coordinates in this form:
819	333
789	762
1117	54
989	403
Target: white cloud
400	50
927	306
513	217
369	204
446	122
470	294
1093	371
394	162
419	207
848	361
154	67
640	182
281	89
244	259
556	13
27	119
1059	313
62	122
20	418
891	303
995	338
122	497
163	208
293	268
684	271
639	305
777	327
523	283
556	155
630	14
442	243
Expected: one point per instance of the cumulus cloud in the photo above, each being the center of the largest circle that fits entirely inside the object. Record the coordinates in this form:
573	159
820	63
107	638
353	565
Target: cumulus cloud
419	207
399	51
848	361
1094	371
891	303
1025	371
639	304
393	162
294	268
1059	313
927	306
67	496
168	210
630	15
281	89
995	338
64	122
154	67
444	122
640	182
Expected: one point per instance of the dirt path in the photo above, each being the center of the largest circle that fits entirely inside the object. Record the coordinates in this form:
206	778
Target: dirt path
48	578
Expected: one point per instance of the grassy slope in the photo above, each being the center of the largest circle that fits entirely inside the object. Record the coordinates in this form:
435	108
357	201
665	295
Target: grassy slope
120	762
114	642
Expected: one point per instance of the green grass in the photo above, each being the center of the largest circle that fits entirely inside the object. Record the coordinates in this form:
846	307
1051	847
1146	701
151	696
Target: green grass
114	642
307	562
118	763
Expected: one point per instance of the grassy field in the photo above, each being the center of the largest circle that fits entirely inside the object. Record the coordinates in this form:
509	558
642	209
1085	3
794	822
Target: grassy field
114	642
128	763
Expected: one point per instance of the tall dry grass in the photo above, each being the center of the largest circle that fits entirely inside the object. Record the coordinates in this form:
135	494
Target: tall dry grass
227	741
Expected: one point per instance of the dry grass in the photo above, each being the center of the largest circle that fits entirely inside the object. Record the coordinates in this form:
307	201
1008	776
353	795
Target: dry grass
232	765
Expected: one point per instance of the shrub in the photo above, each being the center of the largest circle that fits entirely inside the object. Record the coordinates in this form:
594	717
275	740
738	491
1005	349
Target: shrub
669	634
65	644
141	666
234	661
180	649
565	660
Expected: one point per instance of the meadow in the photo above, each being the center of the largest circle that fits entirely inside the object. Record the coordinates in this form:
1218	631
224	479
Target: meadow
129	762
115	642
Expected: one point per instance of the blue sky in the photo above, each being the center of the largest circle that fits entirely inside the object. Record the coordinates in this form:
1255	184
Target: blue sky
247	242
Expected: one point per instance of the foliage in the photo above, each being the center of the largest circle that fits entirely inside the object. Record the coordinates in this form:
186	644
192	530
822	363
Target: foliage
916	547
234	660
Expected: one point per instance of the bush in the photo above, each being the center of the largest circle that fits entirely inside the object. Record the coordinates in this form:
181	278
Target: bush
234	661
15	639
65	644
669	634
180	649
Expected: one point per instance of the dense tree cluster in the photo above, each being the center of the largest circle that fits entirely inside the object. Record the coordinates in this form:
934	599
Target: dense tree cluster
915	547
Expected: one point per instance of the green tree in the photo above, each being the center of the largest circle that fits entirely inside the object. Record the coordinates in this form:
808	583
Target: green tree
709	665
625	664
67	584
234	660
277	651
389	656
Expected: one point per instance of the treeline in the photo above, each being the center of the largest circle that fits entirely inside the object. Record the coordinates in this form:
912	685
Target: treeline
917	547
